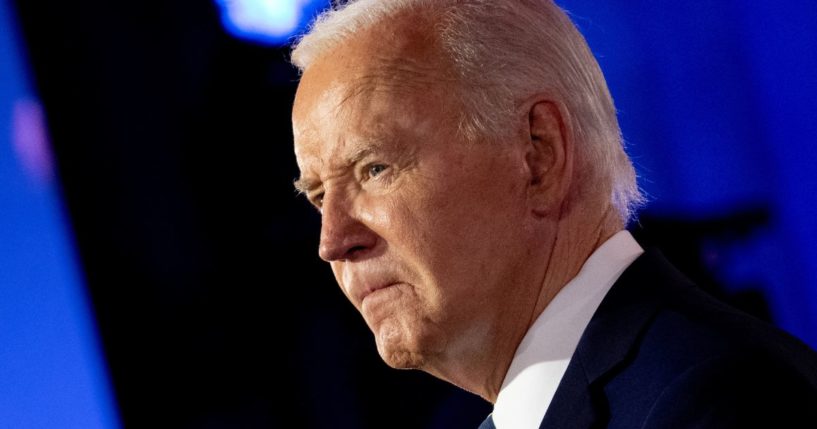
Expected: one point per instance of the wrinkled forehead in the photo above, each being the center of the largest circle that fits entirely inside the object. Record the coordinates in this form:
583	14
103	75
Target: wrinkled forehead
374	73
407	59
378	87
399	50
382	103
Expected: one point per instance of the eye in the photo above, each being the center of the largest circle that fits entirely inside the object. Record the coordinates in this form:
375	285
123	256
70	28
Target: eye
317	200
375	170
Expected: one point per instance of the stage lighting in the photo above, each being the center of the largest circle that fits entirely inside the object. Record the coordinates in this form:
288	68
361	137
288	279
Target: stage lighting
273	22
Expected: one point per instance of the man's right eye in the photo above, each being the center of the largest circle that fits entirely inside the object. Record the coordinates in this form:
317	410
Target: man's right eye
376	169
316	200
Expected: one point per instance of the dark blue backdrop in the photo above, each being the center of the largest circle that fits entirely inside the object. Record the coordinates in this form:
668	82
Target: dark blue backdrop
718	102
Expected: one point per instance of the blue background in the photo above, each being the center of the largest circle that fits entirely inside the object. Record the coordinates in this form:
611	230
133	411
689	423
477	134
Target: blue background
718	103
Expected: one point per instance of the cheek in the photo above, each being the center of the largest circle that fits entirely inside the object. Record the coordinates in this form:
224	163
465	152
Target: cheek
398	217
380	212
473	213
449	228
473	228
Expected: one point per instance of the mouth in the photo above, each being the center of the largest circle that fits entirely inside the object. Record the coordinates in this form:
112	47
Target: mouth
370	291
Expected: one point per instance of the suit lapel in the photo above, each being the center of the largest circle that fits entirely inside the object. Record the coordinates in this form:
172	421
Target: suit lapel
607	342
572	406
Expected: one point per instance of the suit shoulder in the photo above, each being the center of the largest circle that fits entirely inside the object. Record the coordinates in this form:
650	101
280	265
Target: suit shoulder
695	350
689	371
735	391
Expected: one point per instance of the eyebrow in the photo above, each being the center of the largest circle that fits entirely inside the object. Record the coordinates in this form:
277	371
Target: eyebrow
304	185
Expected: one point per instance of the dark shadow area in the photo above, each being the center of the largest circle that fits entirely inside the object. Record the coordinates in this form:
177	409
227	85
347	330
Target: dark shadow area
696	247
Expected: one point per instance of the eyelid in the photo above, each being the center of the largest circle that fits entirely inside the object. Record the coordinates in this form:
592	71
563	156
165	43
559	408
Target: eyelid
316	199
366	169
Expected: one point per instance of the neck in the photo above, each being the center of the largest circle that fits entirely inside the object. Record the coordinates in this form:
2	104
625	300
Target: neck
576	238
573	244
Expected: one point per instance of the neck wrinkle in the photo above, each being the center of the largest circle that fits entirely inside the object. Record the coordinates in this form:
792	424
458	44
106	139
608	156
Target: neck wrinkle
571	248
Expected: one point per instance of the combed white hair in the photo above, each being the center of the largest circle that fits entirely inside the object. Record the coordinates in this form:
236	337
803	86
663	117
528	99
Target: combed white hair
504	52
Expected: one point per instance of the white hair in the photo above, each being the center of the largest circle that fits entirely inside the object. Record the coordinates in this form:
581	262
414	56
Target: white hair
505	51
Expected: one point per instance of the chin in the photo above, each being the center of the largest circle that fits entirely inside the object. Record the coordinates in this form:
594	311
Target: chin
402	359
397	353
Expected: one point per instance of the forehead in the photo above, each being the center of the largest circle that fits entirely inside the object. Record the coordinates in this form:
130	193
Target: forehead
401	52
377	78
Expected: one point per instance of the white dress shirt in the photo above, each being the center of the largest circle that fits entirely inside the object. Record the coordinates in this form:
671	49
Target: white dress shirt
542	357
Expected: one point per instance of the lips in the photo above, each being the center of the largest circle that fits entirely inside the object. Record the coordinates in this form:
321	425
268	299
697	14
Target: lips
370	290
361	280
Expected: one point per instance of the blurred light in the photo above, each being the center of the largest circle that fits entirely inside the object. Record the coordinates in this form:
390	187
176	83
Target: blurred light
273	22
30	140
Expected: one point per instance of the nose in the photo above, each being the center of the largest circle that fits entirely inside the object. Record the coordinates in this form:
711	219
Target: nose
344	236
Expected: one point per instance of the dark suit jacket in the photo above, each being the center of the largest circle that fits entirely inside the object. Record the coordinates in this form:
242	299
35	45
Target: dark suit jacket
661	353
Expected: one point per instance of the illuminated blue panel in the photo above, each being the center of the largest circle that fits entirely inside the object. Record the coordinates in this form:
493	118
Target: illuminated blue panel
52	374
273	22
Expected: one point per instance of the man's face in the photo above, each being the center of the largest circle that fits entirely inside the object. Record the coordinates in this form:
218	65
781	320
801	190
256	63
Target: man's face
425	233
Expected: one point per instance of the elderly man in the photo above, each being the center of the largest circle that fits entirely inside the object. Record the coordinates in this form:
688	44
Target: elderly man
467	162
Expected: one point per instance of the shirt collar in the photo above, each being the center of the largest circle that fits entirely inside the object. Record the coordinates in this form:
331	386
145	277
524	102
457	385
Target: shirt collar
542	357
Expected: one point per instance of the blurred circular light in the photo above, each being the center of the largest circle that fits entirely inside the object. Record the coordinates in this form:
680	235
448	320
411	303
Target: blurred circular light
273	22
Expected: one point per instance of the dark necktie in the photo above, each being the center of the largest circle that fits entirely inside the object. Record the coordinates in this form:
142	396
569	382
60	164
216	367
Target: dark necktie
488	423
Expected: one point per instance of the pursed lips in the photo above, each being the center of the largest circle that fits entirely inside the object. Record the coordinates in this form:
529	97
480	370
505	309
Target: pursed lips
363	280
372	289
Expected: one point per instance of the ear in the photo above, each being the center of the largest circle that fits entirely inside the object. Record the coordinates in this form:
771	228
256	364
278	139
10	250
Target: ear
549	156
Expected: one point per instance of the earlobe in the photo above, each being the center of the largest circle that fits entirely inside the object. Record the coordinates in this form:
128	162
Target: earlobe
549	156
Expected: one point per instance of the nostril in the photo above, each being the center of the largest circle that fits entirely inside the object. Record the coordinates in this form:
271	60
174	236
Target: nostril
335	253
354	250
